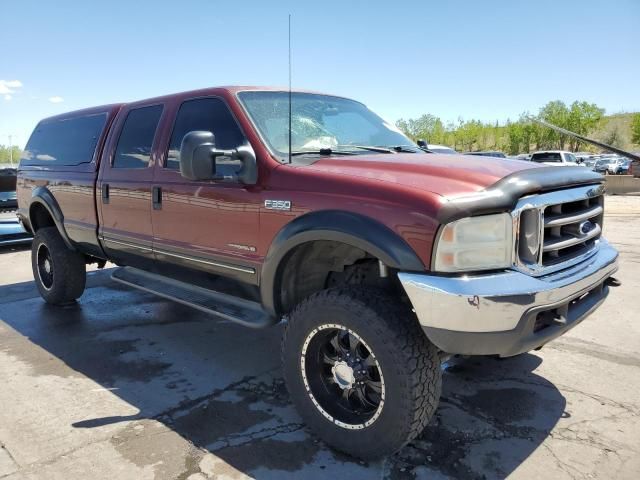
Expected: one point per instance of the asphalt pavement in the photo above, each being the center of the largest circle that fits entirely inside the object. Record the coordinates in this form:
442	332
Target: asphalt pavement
125	385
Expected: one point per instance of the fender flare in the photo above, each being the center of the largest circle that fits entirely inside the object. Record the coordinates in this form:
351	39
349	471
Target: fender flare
44	197
350	228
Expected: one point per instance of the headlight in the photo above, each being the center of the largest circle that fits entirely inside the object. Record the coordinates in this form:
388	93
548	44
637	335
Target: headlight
475	243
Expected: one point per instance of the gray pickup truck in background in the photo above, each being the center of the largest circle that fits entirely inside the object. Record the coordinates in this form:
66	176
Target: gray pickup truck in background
11	231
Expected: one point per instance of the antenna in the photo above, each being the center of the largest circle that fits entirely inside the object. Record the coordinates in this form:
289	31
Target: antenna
290	88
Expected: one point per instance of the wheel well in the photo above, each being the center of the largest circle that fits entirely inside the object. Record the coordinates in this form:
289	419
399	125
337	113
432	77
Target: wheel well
317	265
39	217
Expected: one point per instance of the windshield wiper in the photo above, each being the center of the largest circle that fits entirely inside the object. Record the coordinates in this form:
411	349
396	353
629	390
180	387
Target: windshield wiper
322	151
370	148
404	149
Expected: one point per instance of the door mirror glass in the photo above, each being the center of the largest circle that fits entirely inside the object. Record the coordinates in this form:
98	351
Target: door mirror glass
201	160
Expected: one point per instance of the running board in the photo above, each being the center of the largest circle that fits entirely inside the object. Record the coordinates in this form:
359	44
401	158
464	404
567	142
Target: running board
244	312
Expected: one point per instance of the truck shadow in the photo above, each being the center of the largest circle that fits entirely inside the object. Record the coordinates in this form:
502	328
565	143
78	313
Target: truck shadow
218	386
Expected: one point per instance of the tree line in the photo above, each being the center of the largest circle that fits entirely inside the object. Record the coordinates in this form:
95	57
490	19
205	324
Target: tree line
5	155
522	135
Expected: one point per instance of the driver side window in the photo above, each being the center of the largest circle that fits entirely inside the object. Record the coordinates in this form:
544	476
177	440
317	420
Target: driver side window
208	114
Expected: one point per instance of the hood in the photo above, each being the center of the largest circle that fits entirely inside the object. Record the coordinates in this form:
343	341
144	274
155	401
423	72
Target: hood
446	175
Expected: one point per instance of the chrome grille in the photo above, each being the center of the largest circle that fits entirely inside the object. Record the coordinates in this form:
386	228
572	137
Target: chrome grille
557	229
571	229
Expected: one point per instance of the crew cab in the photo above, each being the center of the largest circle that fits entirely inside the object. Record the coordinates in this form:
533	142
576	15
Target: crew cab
264	206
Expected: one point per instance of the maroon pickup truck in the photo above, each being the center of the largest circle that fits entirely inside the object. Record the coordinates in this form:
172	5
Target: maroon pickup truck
381	258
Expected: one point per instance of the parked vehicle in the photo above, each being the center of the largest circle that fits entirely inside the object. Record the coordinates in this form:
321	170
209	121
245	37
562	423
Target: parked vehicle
488	154
8	178
381	258
583	157
634	167
601	166
11	231
619	166
556	158
433	148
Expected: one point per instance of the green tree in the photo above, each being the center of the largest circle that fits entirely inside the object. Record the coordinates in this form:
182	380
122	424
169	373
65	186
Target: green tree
635	129
515	137
424	127
557	113
613	137
583	118
6	155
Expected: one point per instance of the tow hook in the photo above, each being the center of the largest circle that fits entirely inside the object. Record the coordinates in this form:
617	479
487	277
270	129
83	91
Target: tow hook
612	282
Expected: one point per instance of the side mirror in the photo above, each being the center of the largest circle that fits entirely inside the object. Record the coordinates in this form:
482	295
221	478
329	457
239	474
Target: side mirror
201	160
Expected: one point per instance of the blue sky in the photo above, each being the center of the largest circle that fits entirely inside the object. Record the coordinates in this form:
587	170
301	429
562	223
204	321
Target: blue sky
476	59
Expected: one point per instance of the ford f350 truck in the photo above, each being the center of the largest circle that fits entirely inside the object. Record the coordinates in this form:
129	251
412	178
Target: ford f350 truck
262	206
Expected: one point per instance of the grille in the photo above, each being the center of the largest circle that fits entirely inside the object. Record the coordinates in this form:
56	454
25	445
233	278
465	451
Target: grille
558	229
571	229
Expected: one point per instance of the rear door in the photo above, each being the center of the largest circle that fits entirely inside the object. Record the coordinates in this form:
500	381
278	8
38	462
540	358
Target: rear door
205	225
124	185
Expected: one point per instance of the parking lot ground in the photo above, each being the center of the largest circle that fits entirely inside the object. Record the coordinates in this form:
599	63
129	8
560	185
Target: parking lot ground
125	385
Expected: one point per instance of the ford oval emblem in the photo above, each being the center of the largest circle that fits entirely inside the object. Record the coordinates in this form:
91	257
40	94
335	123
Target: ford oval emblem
586	227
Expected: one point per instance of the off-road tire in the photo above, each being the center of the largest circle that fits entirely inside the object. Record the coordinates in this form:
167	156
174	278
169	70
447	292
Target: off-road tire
69	268
409	363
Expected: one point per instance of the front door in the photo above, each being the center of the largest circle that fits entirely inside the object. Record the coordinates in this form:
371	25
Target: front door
205	225
124	193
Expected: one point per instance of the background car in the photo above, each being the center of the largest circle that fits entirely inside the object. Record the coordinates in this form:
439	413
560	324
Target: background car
556	158
11	230
601	166
619	166
590	163
440	149
488	154
8	177
584	156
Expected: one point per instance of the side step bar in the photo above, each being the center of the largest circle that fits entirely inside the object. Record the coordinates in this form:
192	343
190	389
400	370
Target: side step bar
244	312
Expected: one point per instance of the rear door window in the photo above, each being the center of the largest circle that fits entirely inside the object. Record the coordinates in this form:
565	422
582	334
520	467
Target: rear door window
546	157
205	114
64	142
136	137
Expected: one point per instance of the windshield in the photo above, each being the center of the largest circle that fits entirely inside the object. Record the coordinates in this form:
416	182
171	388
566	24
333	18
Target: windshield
318	122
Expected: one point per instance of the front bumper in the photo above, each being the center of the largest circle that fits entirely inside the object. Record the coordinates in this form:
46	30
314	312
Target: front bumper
508	313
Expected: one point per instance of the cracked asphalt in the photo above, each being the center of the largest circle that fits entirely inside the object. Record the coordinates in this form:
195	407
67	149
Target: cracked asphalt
125	385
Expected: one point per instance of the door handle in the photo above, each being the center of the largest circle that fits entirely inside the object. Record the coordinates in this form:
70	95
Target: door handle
105	193
156	197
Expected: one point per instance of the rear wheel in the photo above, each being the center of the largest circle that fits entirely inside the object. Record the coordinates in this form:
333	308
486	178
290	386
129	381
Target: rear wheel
59	273
360	371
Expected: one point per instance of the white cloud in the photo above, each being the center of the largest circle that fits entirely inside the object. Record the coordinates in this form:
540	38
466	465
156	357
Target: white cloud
9	86
8	97
56	99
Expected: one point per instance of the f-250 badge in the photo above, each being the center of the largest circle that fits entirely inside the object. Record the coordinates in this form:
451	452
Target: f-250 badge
277	204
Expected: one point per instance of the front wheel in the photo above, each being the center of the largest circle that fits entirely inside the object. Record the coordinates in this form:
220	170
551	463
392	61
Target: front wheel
360	370
60	273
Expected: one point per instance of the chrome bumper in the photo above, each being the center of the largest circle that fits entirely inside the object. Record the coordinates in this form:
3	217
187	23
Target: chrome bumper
496	313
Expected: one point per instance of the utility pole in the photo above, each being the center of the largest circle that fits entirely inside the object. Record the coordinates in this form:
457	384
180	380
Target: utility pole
10	152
